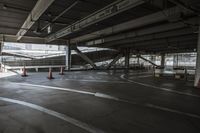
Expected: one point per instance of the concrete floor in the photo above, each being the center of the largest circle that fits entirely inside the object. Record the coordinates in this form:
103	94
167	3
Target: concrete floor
98	102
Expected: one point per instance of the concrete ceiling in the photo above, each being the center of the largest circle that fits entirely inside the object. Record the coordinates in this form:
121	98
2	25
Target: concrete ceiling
149	25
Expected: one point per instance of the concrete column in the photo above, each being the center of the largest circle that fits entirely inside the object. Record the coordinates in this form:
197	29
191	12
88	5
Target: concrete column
138	60
175	60
197	73
68	57
162	60
153	58
1	47
1	59
127	58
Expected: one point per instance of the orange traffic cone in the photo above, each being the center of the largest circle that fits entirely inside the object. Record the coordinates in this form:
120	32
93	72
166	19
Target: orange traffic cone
24	73
50	76
61	71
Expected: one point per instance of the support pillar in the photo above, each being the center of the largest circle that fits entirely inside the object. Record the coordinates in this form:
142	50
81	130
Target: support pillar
162	60
138	60
197	72
127	58
1	47
175	61
1	58
68	57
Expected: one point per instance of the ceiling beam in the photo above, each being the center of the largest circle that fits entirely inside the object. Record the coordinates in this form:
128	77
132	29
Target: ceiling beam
135	23
100	15
167	34
183	47
158	31
40	7
61	14
163	41
182	5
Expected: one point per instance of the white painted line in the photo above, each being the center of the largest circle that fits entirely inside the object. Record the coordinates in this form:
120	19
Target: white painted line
105	96
100	81
172	110
142	76
57	88
149	105
96	94
66	118
160	88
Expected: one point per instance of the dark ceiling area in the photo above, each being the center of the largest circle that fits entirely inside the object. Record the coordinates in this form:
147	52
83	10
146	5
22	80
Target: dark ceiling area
141	25
13	13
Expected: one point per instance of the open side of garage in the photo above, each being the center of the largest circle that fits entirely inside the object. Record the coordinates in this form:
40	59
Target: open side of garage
99	66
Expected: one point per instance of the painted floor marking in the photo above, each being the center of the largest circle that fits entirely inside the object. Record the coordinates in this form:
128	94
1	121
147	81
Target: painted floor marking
96	94
101	81
172	110
57	88
66	118
141	76
160	88
105	96
165	109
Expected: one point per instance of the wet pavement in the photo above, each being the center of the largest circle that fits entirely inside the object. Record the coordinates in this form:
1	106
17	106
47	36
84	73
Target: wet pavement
96	102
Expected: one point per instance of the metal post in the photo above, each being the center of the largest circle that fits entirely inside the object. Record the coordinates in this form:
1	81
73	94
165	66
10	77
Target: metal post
163	60
127	58
68	57
175	63
197	72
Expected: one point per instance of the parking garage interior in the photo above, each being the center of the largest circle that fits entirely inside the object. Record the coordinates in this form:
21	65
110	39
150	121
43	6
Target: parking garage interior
99	66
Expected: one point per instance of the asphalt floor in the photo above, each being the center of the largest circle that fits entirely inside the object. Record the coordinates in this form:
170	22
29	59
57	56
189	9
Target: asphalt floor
98	102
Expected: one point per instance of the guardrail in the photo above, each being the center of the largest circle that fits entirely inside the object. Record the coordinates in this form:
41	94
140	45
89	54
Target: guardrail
176	73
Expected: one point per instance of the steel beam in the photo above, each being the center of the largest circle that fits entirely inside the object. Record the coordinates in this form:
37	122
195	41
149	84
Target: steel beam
182	5
61	14
84	57
115	60
135	23
160	41
100	15
147	60
167	34
40	7
175	47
